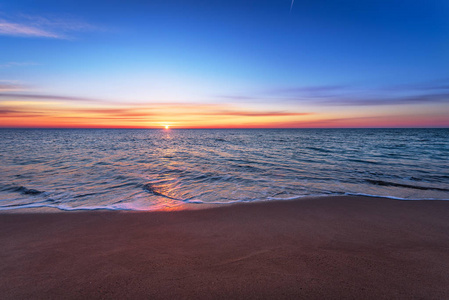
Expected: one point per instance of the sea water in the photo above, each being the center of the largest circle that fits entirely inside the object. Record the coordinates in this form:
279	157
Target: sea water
162	169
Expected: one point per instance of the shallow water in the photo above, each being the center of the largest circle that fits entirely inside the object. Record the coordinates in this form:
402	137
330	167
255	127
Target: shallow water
162	169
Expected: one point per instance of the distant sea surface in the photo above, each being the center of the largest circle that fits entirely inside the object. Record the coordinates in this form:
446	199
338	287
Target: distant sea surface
127	169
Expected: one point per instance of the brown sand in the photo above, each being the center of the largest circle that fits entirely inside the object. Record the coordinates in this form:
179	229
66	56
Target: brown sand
326	248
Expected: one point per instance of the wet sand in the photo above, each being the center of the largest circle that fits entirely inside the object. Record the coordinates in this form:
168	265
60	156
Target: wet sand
324	248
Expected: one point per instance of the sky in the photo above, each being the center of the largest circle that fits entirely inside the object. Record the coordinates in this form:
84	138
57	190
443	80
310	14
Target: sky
224	64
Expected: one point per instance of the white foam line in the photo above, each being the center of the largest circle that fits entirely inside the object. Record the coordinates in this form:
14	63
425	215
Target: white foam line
130	207
260	200
69	208
395	198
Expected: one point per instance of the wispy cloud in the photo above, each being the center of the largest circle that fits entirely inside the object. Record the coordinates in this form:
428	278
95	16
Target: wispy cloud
247	113
6	86
310	90
291	92
238	97
24	109
21	96
377	101
21	30
42	27
442	84
17	64
153	109
5	111
116	112
347	95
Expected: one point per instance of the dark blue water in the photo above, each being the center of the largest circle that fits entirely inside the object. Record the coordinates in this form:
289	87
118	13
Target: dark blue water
157	169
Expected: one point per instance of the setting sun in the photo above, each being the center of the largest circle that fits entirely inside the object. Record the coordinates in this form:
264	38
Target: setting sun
167	127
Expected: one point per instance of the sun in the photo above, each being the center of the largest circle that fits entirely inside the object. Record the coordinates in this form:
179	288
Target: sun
167	127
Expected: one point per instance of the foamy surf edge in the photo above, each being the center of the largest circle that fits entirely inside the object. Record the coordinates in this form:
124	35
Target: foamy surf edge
136	207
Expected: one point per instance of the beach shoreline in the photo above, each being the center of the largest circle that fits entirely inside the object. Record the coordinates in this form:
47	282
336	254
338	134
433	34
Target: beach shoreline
314	248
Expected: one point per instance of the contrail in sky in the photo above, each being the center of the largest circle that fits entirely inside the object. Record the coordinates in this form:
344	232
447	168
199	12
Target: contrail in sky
291	6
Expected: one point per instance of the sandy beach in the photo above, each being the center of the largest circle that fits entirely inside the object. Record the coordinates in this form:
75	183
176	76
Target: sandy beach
323	248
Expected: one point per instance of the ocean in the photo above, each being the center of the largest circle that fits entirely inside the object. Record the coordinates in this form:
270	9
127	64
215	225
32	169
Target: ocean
150	169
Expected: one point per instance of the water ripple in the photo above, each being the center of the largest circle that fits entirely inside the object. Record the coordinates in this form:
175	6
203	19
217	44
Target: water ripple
153	169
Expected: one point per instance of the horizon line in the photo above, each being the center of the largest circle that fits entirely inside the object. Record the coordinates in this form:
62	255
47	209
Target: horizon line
224	128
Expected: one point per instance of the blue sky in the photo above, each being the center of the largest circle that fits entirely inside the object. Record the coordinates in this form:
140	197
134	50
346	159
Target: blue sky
359	59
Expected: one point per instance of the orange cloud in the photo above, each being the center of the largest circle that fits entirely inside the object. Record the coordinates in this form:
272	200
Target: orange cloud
28	110
150	115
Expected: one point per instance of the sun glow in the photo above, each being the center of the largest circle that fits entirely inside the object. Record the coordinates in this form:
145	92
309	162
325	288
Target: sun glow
167	127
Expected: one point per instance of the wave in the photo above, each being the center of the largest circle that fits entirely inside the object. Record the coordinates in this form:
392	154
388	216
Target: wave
20	189
155	191
416	187
323	150
395	198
